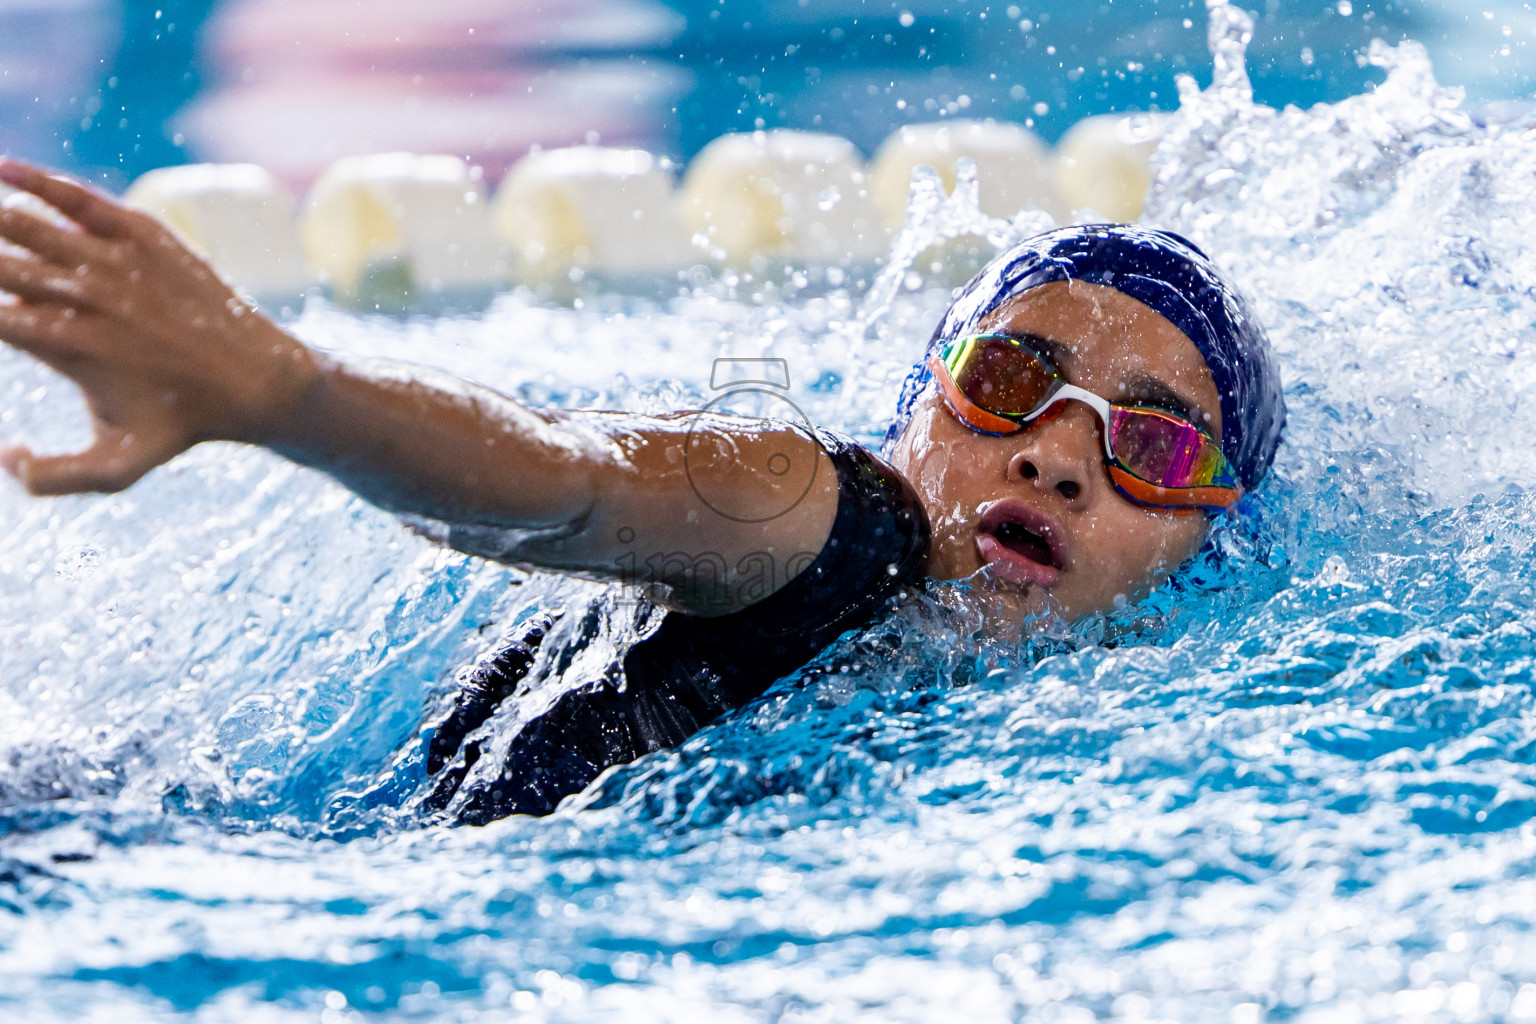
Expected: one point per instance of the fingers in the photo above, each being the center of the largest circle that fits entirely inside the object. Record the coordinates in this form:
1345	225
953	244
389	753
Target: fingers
111	464
36	281
61	246
96	213
11	457
51	333
119	248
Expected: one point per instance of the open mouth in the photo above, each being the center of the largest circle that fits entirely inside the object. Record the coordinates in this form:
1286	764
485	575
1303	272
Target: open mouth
1020	544
1021	539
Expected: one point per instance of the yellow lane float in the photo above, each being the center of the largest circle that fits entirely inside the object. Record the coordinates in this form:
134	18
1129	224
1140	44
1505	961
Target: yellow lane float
783	196
1014	168
397	230
239	217
1104	163
595	210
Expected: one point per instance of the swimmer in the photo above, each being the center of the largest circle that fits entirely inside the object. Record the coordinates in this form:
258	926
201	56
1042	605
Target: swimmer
1090	402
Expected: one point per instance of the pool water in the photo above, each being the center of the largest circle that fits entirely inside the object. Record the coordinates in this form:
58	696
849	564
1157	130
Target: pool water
1296	783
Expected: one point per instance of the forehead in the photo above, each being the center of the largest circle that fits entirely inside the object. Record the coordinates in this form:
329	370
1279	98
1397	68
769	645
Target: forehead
1109	339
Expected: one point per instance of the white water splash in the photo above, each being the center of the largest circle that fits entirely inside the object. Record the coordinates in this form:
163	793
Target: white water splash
1390	230
1312	800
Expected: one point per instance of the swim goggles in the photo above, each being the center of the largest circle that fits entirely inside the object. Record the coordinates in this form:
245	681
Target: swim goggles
997	384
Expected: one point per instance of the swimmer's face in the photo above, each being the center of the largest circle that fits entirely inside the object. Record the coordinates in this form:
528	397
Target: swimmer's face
1037	509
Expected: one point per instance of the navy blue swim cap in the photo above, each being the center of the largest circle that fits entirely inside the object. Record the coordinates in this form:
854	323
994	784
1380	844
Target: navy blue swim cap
1169	274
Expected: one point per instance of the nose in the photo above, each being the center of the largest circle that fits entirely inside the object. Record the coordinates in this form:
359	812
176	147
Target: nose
1061	452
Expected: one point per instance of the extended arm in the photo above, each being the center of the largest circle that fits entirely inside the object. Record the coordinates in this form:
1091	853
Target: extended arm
168	356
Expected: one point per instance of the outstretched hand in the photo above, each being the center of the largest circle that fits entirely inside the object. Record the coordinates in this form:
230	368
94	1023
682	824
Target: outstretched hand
165	352
168	356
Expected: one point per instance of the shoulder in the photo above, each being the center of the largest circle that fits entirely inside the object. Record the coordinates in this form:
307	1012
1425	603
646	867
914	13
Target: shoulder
880	537
871	490
878	544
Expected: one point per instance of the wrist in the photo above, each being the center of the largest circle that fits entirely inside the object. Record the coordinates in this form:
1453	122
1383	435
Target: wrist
270	409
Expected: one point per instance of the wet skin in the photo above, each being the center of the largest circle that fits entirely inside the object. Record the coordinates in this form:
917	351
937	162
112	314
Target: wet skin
167	357
1051	477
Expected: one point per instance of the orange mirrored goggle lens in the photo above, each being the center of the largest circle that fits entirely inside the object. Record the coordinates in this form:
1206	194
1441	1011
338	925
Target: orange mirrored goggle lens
999	374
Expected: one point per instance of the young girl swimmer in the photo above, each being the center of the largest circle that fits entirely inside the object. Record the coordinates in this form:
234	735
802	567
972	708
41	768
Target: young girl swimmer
1086	406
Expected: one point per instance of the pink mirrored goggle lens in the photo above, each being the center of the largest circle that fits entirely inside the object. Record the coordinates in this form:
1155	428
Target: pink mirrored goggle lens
1165	450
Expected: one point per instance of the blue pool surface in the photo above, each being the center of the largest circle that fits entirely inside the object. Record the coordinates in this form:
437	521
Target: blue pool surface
1298	783
112	88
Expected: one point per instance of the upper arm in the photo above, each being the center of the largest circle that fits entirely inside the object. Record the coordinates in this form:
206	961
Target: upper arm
709	513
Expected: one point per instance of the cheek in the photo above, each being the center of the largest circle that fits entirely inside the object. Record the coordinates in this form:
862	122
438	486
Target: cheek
952	475
1184	536
935	466
1145	548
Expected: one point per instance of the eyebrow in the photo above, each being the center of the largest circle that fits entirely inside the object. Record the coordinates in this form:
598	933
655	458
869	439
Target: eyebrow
1140	388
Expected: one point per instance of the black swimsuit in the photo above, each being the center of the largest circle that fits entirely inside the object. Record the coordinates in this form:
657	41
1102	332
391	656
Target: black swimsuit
690	670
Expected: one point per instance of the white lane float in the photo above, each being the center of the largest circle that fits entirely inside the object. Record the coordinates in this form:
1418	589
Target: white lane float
789	196
398	231
1104	163
239	217
1014	167
612	213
